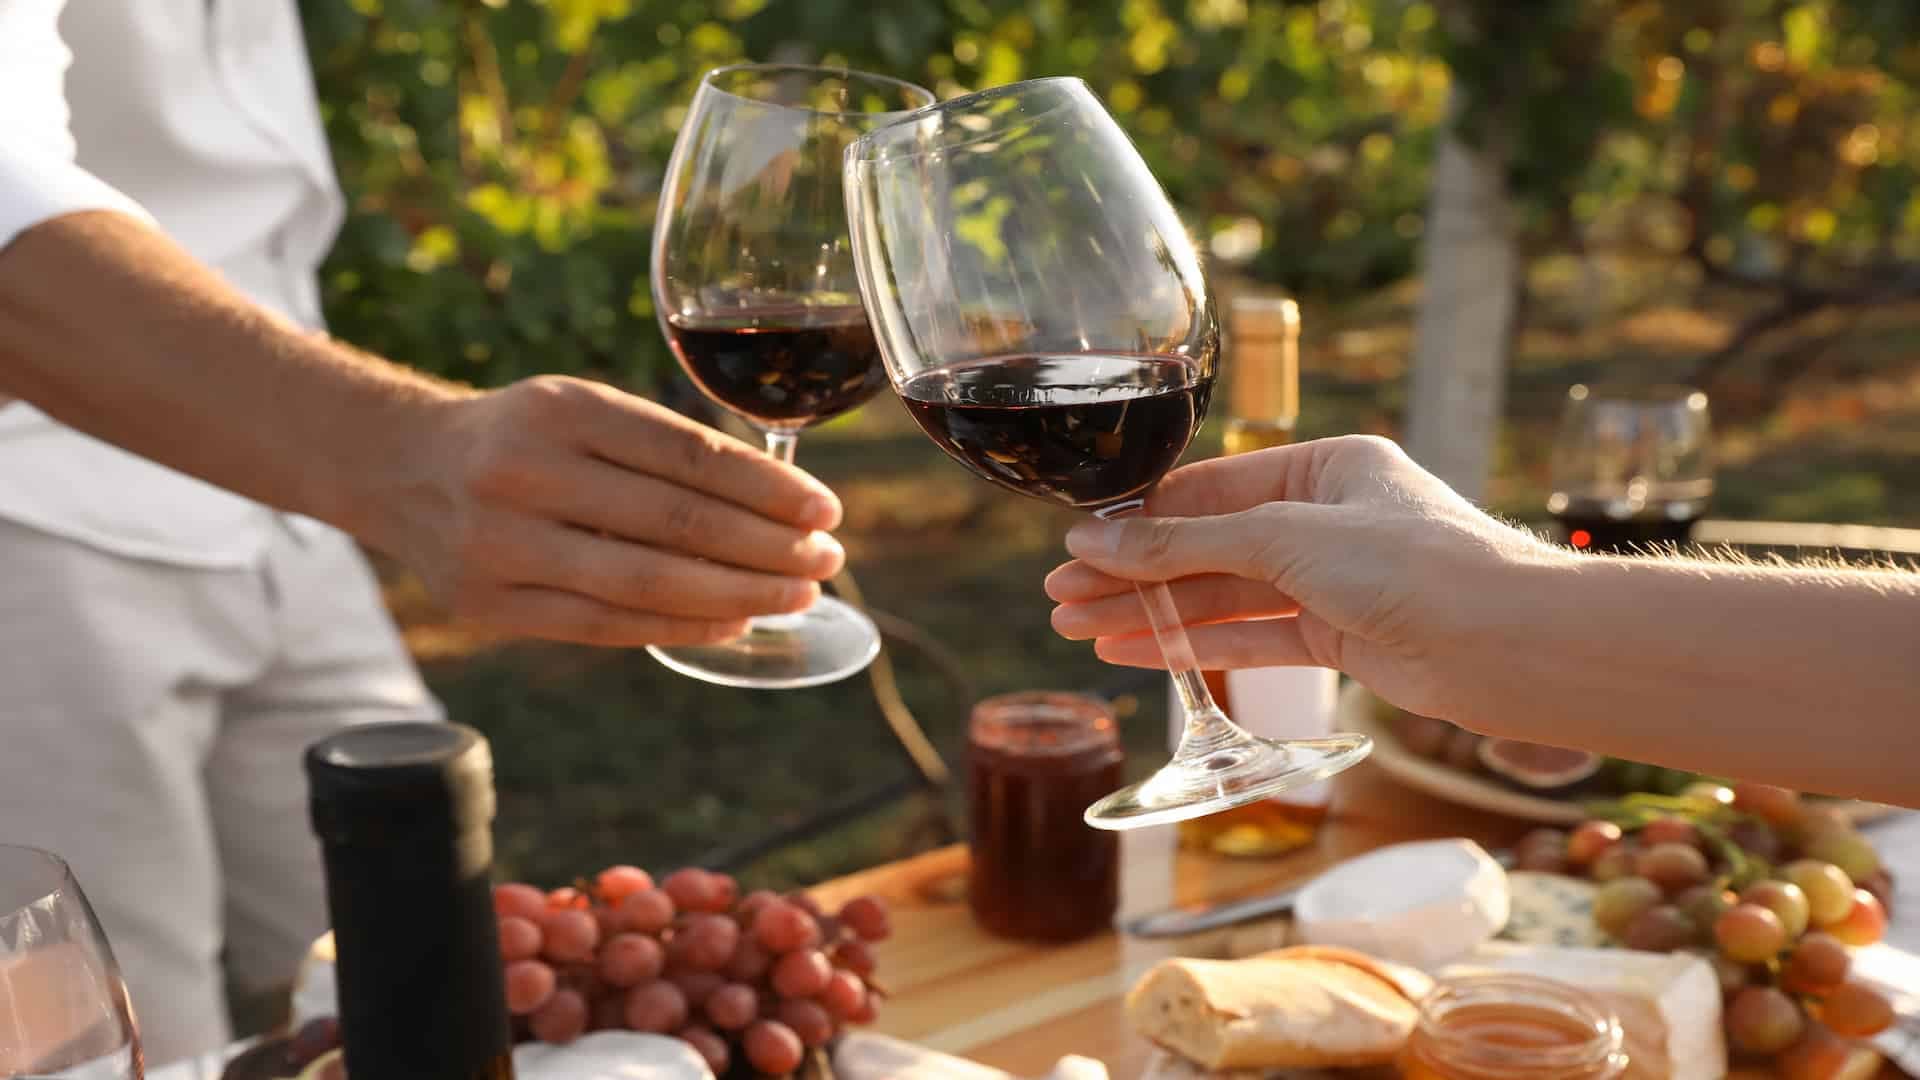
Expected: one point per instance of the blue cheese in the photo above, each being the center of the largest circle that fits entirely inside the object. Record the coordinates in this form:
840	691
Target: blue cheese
1551	909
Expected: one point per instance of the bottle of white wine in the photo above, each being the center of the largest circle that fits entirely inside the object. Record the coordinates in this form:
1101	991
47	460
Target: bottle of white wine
404	813
1263	404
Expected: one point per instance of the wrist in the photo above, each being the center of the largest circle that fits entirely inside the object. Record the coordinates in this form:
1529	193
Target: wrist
1502	618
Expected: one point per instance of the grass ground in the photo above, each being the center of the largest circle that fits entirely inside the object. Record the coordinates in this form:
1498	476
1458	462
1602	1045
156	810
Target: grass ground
605	756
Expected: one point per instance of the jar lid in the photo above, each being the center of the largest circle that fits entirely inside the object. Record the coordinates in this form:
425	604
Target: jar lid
387	776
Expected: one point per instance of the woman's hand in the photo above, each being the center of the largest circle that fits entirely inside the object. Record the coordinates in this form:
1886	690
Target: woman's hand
1339	553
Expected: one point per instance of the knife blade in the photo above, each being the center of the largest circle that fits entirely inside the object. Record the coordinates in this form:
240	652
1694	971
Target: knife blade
1198	918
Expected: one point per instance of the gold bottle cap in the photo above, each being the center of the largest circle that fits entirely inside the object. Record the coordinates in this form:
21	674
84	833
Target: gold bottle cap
1263	362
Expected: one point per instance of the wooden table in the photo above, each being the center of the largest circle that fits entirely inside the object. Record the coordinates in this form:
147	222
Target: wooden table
1021	1007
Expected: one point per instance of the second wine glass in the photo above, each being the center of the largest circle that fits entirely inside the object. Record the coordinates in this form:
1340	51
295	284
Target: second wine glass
754	284
64	1011
1042	312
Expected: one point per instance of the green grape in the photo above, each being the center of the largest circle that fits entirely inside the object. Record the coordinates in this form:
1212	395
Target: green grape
1750	934
1828	889
1621	901
1784	899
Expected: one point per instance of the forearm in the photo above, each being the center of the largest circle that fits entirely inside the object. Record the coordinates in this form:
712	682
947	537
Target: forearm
1805	678
108	326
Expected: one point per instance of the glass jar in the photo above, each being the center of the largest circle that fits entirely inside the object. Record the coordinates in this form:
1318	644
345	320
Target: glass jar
1512	1027
1036	761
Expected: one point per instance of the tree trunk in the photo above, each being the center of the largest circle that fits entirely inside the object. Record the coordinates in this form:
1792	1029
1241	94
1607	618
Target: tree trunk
1470	279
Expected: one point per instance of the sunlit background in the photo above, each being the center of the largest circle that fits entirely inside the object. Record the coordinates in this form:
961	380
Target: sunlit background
1716	191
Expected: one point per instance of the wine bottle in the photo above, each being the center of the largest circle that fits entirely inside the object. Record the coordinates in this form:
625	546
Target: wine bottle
404	813
1263	404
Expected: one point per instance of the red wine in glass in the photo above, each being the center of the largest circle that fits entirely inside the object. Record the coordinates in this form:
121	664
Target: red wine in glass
781	367
1087	430
1659	524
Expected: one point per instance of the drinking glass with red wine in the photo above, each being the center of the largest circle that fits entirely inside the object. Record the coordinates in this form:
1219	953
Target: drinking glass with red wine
1632	467
754	284
1041	310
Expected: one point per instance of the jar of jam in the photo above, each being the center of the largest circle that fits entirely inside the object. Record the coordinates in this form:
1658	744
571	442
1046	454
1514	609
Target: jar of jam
1035	763
1512	1027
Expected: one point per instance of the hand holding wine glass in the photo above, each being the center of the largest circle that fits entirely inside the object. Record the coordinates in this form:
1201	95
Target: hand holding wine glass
1042	312
753	280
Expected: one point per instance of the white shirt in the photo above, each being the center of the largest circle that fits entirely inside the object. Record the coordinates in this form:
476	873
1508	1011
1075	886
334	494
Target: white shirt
200	115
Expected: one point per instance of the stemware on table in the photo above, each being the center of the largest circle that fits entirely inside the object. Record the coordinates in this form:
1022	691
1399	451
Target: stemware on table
1632	466
64	1011
753	282
1042	311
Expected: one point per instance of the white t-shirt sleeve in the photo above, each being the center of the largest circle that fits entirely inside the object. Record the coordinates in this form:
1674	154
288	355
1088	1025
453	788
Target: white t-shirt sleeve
39	179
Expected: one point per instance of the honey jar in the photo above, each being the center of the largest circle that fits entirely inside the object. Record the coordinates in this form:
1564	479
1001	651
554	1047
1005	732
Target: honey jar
1512	1027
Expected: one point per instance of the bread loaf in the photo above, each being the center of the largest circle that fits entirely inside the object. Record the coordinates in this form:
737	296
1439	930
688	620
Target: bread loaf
1305	1007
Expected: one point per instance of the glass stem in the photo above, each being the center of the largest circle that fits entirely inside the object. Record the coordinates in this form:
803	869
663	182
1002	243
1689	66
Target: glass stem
1205	728
781	444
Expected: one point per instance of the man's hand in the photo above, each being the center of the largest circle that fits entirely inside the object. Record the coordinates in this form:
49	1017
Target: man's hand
565	509
1339	553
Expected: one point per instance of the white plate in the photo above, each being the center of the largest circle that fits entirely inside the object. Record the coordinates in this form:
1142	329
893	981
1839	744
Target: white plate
1356	713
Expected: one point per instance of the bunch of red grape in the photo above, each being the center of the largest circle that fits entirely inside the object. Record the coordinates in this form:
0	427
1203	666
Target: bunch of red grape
760	976
1771	889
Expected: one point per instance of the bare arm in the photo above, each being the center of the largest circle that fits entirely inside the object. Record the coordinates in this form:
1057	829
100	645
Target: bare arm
1343	553
553	507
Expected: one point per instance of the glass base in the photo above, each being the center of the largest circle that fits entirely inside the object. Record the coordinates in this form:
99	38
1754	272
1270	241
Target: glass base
1241	769
825	643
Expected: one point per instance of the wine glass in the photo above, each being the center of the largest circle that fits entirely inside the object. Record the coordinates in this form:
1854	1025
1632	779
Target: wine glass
1632	467
1043	314
63	1006
754	284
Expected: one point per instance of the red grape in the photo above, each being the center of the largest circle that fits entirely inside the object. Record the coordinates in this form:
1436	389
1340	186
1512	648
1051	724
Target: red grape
1776	806
1590	841
710	1046
773	1048
865	916
694	889
1785	900
562	1019
1828	888
1819	1055
845	995
805	902
732	1006
868	1013
807	1019
529	984
519	938
1674	866
1670	830
801	974
656	1007
1818	964
750	905
782	927
1857	1010
1661	928
570	936
630	959
724	890
1621	901
705	943
855	956
749	961
697	986
648	911
616	883
1762	1020
566	897
1615	863
1750	934
1865	924
1756	838
516	899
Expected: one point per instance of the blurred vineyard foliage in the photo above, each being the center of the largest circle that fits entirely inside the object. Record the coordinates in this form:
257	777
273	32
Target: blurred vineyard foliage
503	156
